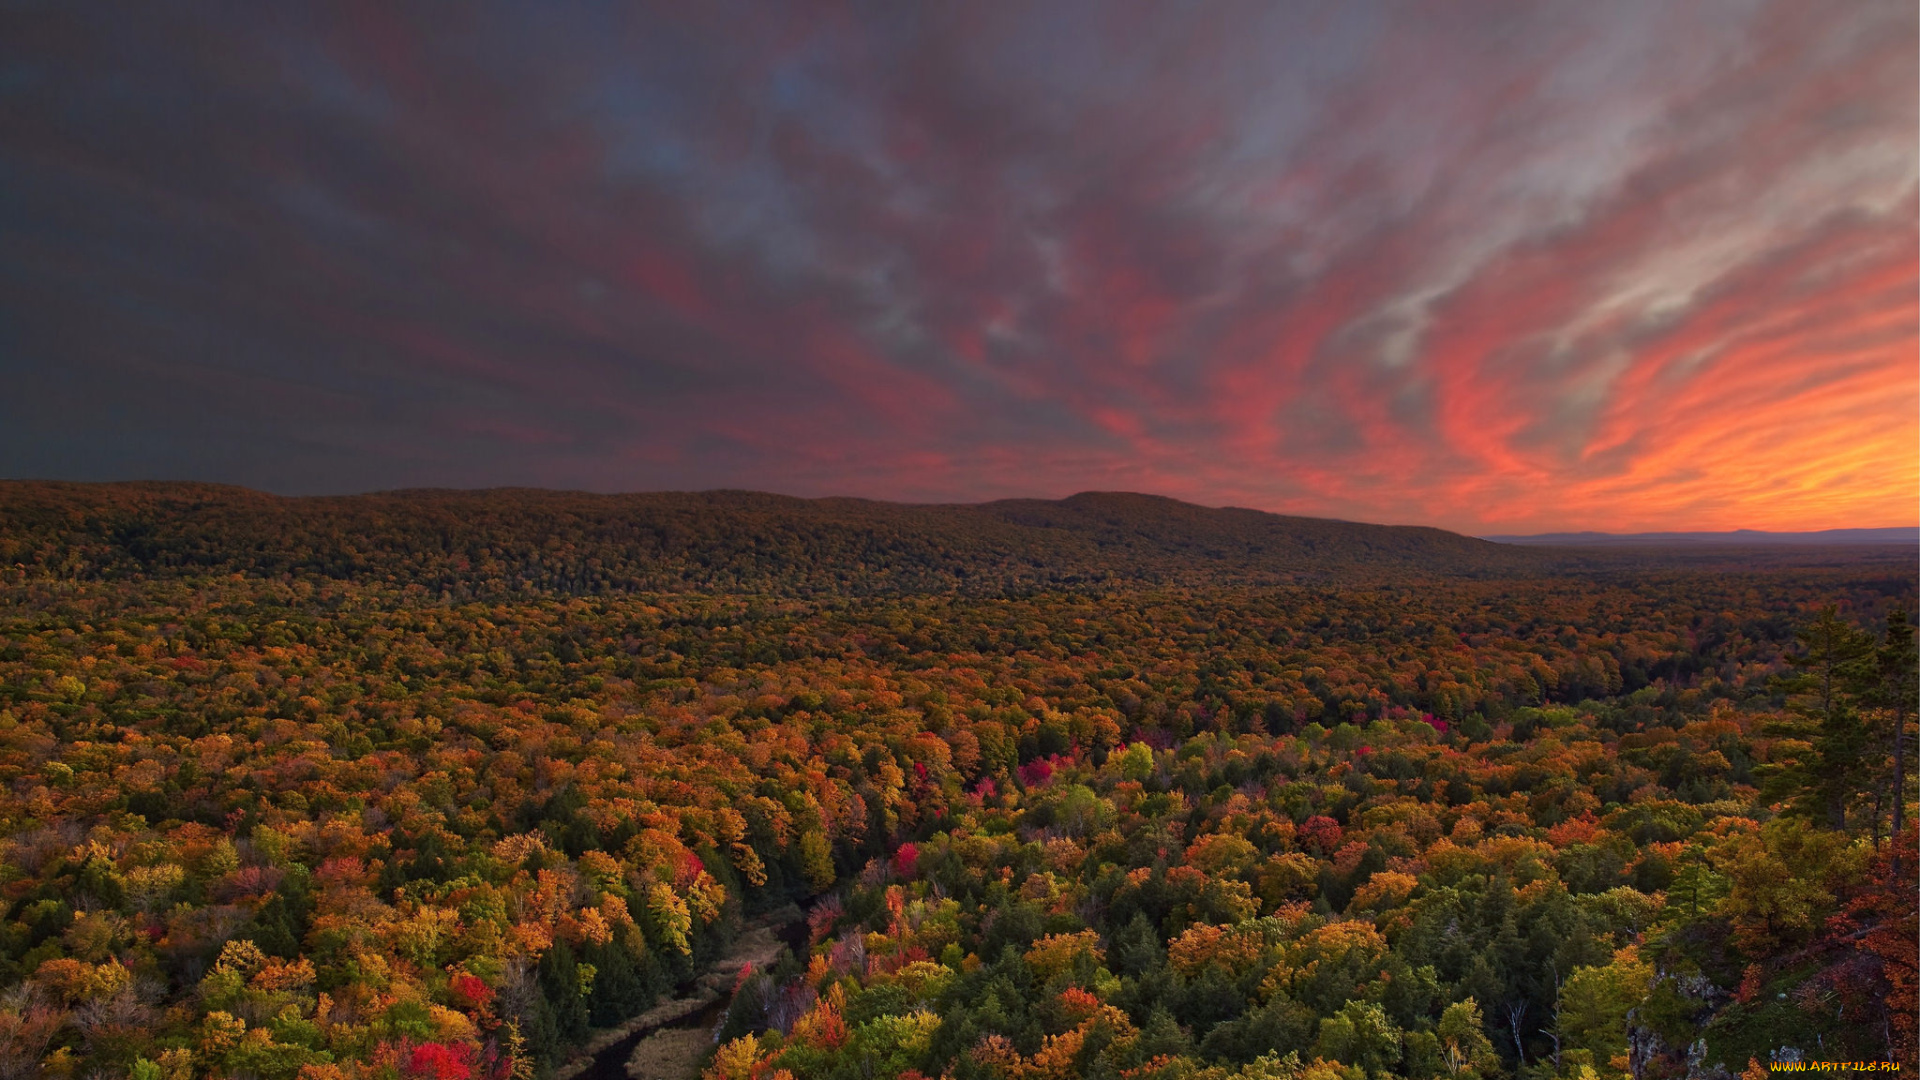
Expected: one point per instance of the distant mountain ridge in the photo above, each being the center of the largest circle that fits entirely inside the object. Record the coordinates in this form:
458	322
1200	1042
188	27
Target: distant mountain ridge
1903	534
459	545
513	541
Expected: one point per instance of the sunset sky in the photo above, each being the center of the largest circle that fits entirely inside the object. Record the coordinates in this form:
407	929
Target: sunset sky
1498	267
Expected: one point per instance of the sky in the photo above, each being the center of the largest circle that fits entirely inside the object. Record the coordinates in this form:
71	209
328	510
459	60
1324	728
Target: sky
1496	267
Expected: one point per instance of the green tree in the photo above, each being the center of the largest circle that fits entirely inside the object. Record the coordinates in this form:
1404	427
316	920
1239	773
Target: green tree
1888	683
1832	767
1136	763
1594	1003
561	1002
816	859
1696	883
1465	1049
1360	1034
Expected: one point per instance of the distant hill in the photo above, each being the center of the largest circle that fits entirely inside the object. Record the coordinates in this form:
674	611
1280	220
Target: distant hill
513	541
1899	535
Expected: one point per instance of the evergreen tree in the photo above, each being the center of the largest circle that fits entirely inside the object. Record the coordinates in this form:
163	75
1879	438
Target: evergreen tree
560	987
619	992
1888	682
1835	766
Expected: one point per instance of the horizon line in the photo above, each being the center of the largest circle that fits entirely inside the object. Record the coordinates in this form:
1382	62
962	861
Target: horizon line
1495	537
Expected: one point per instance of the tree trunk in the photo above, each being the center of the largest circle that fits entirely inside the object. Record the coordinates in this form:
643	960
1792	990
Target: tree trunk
1899	767
1879	808
1899	781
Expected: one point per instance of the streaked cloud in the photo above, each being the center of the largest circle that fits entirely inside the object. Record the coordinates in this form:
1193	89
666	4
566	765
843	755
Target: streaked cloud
1498	267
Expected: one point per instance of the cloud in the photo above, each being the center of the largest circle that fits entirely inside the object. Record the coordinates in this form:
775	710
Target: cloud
1496	267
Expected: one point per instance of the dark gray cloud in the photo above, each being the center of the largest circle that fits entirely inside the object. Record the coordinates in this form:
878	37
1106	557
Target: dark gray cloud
1485	265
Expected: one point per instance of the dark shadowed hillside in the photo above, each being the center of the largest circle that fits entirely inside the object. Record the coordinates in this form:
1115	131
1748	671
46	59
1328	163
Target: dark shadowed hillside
509	541
1152	526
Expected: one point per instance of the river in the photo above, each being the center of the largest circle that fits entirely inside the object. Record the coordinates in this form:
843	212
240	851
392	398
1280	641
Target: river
670	1040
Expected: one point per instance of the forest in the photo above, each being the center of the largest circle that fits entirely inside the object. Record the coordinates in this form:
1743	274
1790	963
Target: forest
433	786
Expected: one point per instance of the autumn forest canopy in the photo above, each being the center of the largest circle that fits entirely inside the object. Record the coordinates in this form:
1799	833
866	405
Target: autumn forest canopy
490	773
435	785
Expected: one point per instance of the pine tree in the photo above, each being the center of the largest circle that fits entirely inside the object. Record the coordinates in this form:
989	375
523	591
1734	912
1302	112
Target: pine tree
1836	766
1889	682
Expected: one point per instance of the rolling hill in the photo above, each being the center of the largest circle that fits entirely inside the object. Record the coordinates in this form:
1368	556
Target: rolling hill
518	541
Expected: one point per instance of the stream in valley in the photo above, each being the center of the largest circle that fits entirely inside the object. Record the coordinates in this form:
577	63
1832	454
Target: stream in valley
669	1041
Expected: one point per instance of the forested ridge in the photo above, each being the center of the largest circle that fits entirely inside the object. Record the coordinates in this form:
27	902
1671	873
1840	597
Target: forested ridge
467	545
428	785
519	542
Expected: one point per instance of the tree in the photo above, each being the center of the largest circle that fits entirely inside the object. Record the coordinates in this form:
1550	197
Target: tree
1360	1034
1880	926
1696	882
1834	767
558	978
816	859
1595	1001
1136	763
1464	1046
1888	681
1777	883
